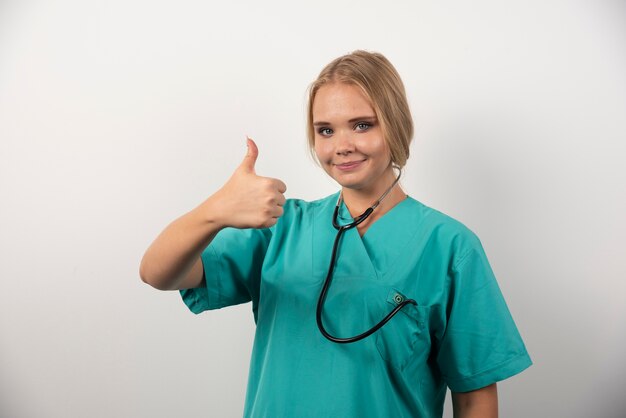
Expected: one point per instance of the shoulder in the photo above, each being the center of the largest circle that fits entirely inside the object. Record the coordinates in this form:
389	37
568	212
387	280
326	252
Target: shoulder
445	232
441	222
298	212
301	204
300	207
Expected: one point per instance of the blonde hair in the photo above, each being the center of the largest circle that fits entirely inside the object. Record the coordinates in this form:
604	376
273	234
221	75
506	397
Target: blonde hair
381	84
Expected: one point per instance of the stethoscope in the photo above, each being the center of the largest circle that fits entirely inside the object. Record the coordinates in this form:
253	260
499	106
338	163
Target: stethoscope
333	258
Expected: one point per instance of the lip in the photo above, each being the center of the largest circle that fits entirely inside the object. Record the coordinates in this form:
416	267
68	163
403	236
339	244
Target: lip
349	165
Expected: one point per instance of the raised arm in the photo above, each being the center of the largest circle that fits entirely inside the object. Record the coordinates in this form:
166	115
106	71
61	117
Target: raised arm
246	201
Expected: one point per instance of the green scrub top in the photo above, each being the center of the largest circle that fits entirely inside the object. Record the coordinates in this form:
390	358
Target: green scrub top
460	335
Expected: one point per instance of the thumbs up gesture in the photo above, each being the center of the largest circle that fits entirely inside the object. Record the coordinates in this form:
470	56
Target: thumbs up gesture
248	200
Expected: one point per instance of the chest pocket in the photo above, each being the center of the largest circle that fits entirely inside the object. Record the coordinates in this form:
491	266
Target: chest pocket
405	337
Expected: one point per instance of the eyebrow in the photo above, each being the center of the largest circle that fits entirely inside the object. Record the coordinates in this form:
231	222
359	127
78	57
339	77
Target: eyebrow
357	119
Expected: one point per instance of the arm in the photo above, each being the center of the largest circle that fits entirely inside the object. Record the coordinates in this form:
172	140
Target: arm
246	201
481	403
173	260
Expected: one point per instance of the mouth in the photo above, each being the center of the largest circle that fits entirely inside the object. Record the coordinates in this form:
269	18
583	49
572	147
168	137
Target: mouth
349	165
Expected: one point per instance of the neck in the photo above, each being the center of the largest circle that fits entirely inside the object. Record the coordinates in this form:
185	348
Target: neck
358	200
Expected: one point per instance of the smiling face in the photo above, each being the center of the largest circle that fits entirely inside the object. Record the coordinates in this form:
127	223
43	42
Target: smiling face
349	141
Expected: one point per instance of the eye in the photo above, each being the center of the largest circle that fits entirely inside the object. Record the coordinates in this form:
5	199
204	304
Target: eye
362	126
325	131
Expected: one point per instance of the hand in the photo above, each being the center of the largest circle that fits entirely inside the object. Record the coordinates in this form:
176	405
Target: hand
248	200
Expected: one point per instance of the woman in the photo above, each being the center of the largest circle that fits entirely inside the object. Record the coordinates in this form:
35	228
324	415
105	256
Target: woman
331	354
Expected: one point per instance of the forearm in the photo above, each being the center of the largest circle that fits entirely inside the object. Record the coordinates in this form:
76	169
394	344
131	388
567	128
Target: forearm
245	201
481	403
172	260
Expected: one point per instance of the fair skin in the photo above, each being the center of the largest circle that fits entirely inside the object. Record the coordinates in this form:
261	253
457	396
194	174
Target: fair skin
247	200
351	148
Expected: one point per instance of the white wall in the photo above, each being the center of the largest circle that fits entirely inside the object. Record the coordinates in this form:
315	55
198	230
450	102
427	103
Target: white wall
116	116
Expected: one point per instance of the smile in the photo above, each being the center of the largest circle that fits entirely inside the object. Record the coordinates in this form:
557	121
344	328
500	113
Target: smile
350	165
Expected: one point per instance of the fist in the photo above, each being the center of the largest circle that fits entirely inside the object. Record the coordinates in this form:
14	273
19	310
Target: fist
248	200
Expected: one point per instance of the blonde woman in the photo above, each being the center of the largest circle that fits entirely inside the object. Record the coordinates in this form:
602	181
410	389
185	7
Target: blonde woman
367	302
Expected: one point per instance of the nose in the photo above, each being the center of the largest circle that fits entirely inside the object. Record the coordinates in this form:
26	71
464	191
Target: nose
344	142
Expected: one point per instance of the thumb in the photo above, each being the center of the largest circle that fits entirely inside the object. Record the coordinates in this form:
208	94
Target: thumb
250	159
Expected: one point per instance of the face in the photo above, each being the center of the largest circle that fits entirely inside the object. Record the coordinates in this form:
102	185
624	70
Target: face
349	141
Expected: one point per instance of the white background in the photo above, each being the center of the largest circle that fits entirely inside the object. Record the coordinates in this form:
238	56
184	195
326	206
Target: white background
117	116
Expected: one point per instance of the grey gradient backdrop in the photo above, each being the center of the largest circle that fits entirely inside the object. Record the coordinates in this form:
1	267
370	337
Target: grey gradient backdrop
117	116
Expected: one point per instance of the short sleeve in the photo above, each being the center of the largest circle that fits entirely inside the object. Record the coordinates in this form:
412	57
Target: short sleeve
232	270
481	344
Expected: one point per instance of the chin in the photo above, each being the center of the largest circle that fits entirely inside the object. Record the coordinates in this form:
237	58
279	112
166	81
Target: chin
349	181
353	185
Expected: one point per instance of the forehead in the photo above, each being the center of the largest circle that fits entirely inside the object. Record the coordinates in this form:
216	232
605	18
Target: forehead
339	101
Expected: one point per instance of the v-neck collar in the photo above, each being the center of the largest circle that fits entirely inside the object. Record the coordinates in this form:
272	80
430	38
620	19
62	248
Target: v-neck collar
377	253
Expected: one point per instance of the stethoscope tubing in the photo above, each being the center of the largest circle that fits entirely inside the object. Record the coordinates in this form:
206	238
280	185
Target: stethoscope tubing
333	258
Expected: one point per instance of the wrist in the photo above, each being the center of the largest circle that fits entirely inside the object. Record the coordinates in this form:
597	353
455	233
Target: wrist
211	213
